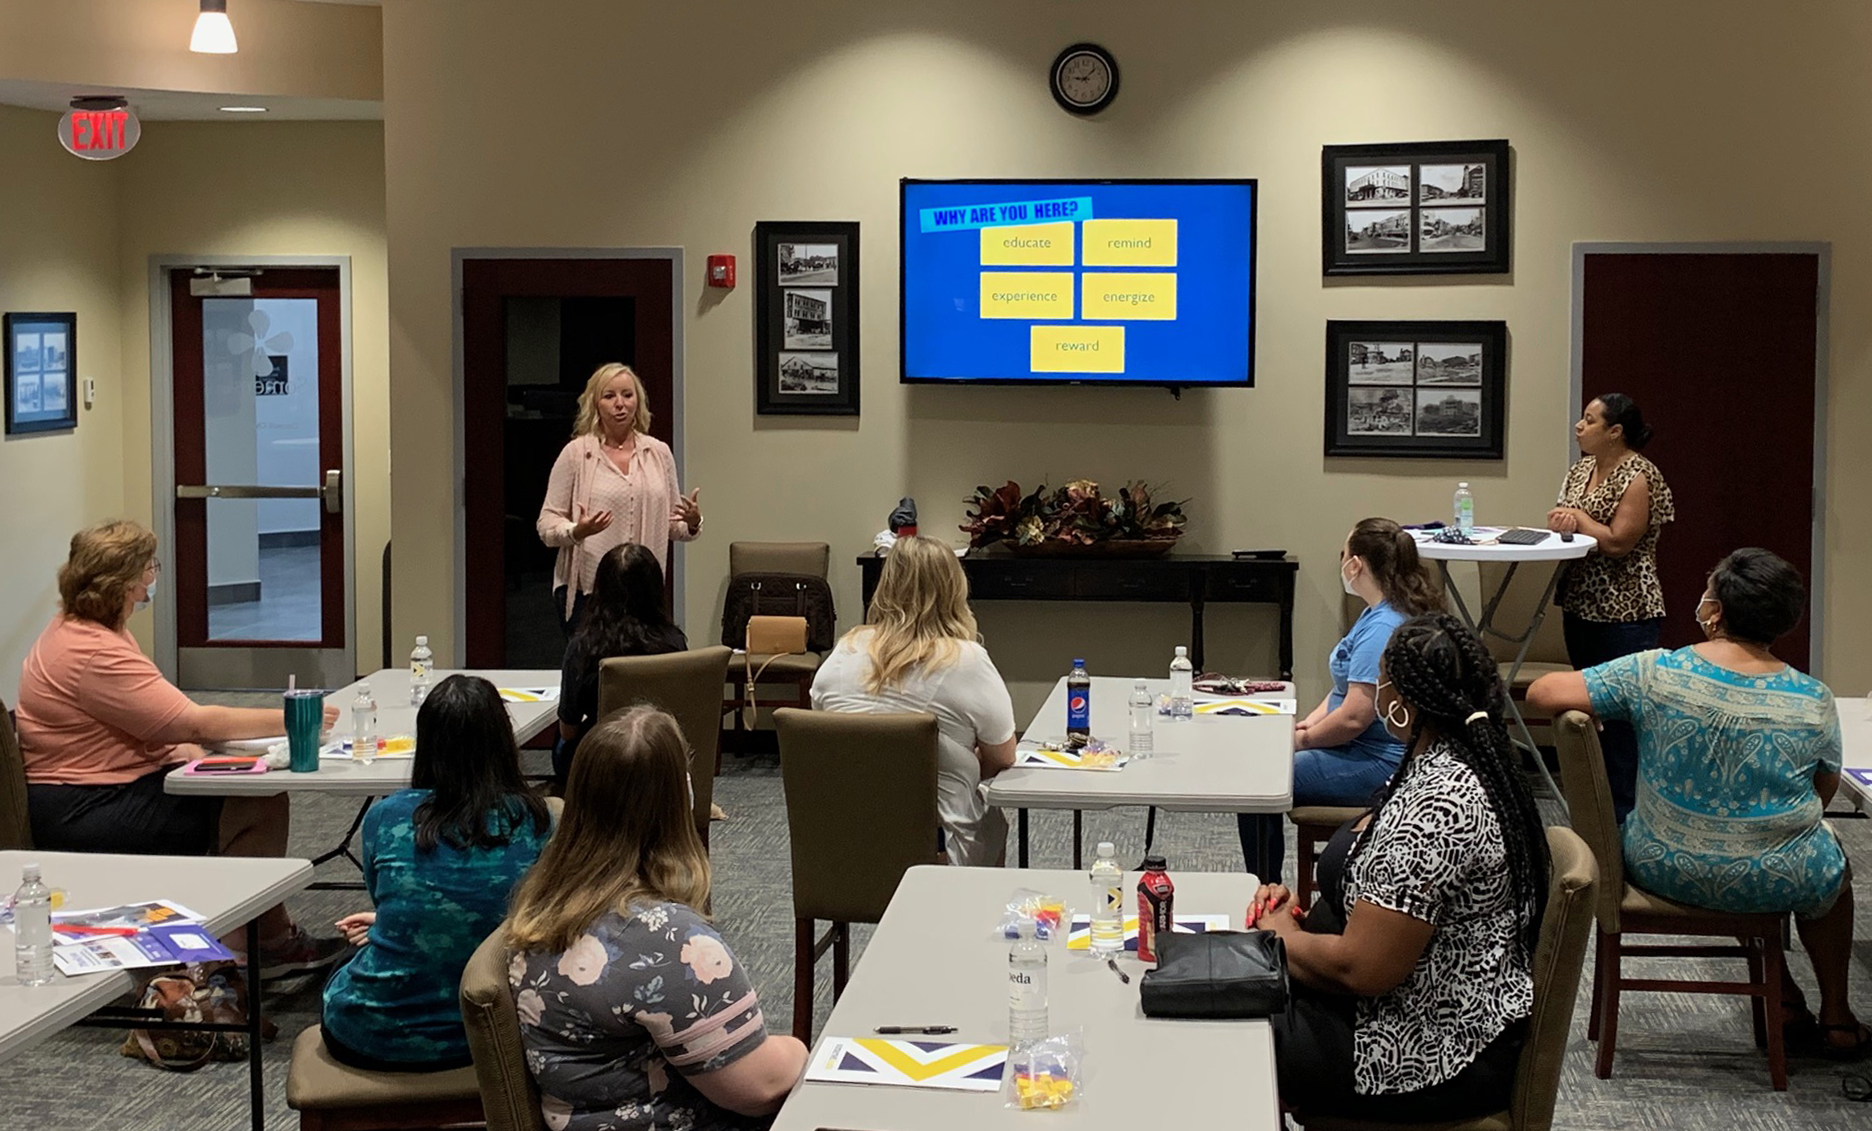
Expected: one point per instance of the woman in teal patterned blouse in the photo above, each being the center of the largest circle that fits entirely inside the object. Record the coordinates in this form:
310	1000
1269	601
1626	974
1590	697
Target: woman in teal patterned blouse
1738	756
439	861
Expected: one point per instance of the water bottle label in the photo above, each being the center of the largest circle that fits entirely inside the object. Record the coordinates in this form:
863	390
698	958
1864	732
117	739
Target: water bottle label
1112	901
1027	989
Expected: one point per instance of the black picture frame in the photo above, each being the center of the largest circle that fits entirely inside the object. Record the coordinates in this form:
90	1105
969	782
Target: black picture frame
1453	199
1379	371
806	318
41	376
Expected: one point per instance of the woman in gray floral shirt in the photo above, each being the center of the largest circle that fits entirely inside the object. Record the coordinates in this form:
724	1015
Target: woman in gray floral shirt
633	1010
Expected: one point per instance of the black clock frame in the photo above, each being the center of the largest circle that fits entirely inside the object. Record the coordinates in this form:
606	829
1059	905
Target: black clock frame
1059	96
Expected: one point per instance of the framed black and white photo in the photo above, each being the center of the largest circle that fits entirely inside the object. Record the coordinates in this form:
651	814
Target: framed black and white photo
1416	389
806	318
1415	208
41	372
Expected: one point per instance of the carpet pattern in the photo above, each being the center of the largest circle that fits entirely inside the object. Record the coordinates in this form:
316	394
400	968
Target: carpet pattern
1684	1061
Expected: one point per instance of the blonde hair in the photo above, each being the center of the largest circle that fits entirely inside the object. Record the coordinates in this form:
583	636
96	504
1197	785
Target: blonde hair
104	562
627	837
919	614
588	423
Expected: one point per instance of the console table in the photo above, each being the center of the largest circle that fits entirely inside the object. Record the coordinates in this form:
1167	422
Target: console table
1193	579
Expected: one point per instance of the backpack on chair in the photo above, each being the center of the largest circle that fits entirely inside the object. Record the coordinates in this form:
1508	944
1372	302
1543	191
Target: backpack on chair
779	595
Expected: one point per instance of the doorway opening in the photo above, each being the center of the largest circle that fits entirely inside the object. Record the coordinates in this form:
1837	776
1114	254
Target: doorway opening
533	329
553	345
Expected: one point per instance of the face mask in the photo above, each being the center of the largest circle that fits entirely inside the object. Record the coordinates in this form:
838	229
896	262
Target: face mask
1708	626
1345	579
148	592
1396	716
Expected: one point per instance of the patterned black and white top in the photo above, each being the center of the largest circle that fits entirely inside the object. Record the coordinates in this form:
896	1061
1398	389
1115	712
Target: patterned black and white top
1435	852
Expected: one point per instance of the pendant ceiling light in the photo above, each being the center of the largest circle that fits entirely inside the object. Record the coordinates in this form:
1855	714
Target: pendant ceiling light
214	35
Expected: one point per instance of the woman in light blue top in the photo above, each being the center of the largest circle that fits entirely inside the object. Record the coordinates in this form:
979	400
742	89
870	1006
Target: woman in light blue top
1738	756
1342	752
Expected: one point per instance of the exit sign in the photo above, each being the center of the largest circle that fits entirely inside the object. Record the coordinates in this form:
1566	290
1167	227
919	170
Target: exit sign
99	135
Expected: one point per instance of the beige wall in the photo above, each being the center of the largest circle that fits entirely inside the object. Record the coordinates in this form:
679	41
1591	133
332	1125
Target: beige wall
58	252
266	188
622	125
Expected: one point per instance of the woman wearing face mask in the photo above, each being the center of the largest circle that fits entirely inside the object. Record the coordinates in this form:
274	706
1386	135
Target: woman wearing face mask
613	483
99	728
1342	753
1611	602
1738	757
1413	976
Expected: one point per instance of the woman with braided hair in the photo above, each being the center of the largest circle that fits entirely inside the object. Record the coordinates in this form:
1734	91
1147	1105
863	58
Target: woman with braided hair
1413	974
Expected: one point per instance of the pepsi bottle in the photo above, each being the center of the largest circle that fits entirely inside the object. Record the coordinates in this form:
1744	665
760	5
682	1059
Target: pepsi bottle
1078	702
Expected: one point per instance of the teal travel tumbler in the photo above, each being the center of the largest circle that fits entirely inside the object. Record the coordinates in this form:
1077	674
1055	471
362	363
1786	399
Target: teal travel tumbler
305	717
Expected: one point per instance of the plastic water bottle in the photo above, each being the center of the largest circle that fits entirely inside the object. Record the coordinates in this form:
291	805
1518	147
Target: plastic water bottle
32	929
1027	987
1078	701
1107	902
421	663
1465	509
1182	696
1143	720
364	726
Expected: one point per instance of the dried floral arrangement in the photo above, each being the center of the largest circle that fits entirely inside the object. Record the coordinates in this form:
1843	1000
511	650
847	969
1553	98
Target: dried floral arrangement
1072	517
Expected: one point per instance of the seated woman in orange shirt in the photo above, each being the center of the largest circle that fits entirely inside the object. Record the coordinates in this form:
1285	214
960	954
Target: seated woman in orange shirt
99	728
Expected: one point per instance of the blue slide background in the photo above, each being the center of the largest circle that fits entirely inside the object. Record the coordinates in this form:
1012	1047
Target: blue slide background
1208	343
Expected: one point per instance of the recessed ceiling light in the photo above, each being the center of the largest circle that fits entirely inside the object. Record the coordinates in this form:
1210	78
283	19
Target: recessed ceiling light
243	109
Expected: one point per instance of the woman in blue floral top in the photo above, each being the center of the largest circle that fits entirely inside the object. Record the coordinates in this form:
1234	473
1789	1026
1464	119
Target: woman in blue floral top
439	861
1738	757
633	1011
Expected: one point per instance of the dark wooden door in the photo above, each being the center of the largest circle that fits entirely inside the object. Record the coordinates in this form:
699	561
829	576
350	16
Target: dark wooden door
493	516
1719	352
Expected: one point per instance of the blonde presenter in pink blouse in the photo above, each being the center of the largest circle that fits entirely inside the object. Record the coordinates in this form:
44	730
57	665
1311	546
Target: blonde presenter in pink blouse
614	483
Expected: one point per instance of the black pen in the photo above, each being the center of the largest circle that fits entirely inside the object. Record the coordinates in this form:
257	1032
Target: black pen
895	1030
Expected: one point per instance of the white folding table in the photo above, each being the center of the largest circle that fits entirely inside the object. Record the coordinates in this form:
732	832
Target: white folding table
344	778
227	891
1856	747
1209	764
935	961
1551	550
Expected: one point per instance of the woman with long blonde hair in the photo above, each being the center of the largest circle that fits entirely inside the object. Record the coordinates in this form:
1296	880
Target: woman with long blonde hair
613	483
633	1011
919	650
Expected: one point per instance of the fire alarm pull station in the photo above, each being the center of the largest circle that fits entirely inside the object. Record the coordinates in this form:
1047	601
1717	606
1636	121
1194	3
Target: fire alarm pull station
721	270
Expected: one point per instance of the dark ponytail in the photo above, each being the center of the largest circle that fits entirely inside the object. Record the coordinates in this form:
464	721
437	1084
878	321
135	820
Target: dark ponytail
1450	685
1391	554
1621	410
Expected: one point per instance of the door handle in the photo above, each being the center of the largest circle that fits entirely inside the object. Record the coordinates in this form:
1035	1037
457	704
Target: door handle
333	491
243	491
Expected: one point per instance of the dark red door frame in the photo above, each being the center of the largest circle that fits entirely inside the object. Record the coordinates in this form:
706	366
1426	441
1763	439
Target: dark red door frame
485	283
191	453
1724	347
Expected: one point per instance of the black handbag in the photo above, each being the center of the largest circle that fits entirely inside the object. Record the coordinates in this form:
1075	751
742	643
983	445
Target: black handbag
1217	974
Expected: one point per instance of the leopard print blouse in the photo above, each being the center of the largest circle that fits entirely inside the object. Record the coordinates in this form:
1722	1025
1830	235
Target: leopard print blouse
1616	590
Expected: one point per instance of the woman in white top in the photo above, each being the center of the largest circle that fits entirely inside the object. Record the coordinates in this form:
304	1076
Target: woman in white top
919	651
613	483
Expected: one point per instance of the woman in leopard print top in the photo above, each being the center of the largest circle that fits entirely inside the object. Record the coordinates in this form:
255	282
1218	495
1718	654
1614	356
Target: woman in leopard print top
1611	602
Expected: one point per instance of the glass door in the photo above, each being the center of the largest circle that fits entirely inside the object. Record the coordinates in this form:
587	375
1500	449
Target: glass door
260	564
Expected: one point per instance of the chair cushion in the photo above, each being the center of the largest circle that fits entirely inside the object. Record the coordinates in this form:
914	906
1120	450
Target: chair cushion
1333	815
316	1081
782	668
1637	901
1500	1121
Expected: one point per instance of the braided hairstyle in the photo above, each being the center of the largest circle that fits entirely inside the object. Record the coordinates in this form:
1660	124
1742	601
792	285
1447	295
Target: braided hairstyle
1445	675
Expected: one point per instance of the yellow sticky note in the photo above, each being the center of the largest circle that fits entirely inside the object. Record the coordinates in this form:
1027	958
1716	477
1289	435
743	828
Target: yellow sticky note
1130	243
1028	245
1132	296
1077	349
1027	294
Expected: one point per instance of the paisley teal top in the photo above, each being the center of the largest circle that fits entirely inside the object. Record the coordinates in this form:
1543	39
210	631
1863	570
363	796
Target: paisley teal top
399	999
1727	815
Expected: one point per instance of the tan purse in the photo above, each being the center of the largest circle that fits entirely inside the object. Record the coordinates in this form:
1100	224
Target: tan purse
772	637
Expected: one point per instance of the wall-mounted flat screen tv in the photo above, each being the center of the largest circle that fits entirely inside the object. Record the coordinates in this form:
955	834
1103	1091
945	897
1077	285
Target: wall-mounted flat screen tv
1129	282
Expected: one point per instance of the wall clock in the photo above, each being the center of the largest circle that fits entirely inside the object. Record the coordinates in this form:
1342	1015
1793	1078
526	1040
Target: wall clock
1084	78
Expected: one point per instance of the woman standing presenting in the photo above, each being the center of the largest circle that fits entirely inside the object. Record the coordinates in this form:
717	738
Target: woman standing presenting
1611	602
613	483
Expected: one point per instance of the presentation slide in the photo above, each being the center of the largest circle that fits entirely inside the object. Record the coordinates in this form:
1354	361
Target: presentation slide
1134	282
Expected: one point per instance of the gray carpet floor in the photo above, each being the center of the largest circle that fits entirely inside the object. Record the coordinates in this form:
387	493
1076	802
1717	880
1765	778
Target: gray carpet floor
1684	1061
